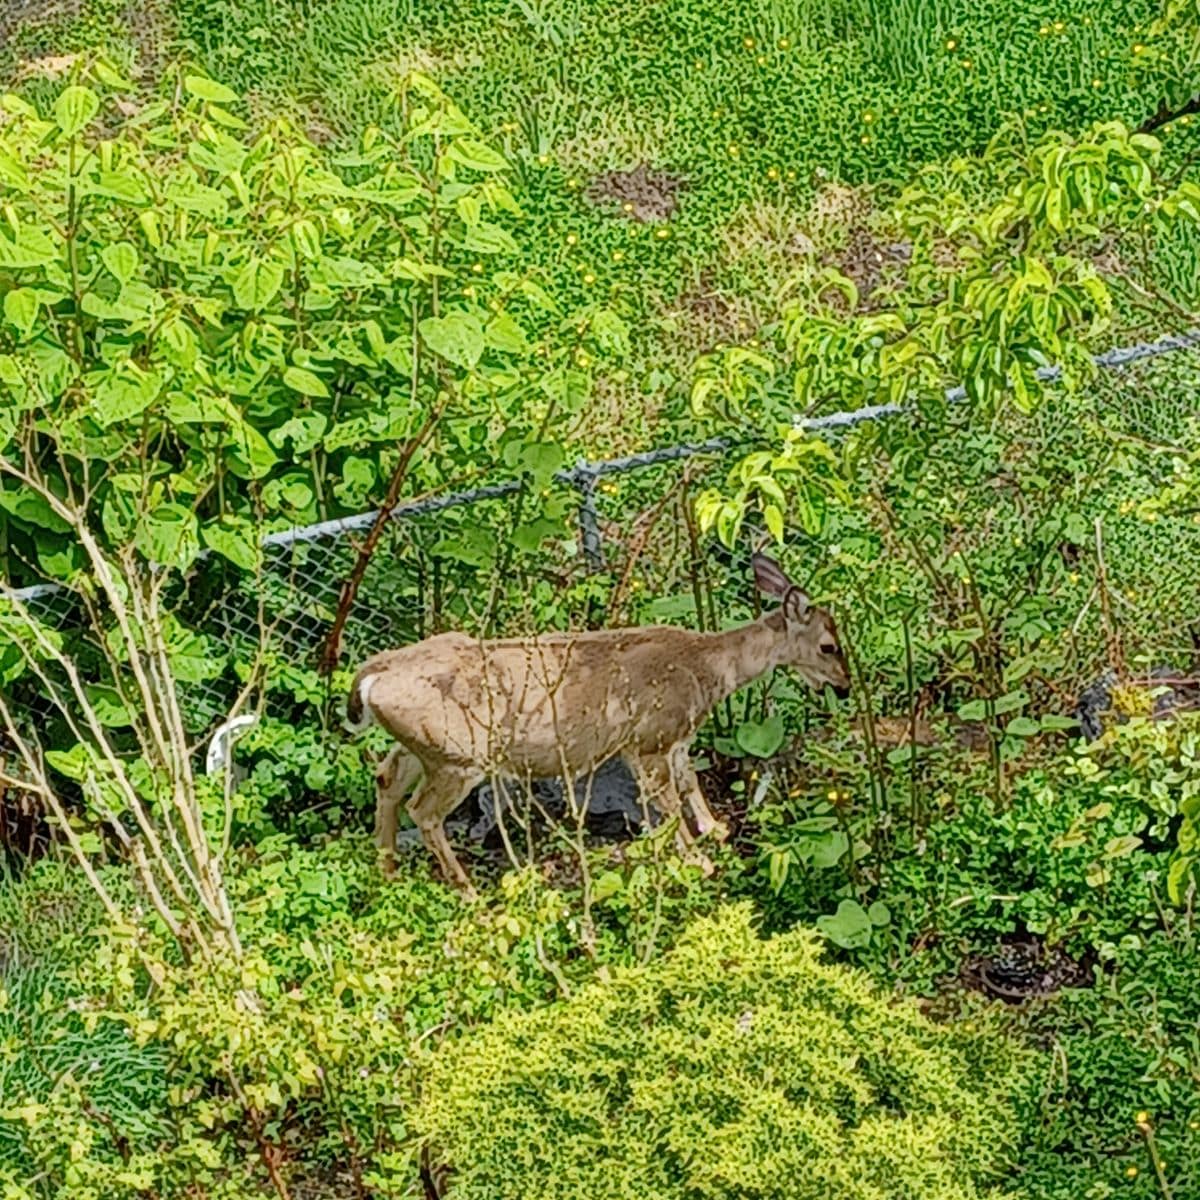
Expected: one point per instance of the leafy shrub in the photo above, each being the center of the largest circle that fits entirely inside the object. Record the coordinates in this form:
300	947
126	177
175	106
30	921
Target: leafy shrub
730	1067
1124	1048
1079	849
94	1082
307	1051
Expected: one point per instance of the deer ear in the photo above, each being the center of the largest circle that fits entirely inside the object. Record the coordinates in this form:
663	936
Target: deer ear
795	604
769	576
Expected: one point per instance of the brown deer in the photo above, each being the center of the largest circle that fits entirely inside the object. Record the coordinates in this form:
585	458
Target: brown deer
464	710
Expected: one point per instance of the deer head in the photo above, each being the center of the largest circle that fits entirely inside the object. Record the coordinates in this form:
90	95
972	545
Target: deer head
813	647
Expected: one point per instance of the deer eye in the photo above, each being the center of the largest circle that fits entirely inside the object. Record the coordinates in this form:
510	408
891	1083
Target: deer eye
828	648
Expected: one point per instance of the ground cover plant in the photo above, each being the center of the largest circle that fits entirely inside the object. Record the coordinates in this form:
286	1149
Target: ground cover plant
265	265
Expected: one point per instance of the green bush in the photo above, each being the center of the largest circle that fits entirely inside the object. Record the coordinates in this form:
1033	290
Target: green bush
731	1067
1124	1048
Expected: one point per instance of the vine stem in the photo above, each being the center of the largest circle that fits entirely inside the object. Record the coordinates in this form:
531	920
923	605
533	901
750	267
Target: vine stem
1147	1132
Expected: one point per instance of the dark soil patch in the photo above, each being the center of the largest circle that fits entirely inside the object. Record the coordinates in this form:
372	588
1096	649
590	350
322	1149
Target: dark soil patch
868	262
17	13
1023	968
711	310
642	193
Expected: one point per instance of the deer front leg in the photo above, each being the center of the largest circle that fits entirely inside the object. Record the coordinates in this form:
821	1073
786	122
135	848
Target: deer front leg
656	780
688	785
393	779
441	793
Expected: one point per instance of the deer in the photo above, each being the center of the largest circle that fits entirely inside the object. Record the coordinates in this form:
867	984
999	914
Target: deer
463	709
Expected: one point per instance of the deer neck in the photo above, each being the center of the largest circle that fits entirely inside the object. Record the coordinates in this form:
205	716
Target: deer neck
745	653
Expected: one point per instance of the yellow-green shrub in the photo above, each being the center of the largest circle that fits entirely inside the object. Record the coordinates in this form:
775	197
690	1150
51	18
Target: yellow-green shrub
732	1067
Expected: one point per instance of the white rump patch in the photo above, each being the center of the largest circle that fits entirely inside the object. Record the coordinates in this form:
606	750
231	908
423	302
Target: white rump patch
364	699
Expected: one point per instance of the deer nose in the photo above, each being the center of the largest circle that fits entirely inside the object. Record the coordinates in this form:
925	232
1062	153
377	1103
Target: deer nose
842	692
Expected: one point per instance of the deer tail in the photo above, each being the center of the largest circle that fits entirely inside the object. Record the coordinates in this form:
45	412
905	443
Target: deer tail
359	713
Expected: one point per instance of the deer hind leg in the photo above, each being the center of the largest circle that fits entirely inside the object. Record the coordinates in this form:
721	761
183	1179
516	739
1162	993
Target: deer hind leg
393	779
656	779
686	784
441	793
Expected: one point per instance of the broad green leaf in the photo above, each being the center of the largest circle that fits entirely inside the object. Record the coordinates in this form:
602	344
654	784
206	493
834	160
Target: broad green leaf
10	373
21	309
236	539
305	429
108	706
529	535
73	763
761	739
193	657
30	507
1023	727
110	76
473	546
850	927
308	241
829	849
169	536
1119	847
540	460
1054	721
75	108
121	258
1180	876
257	284
469	209
208	89
137	302
122	393
31	248
611	332
487	238
605	885
569	389
504	334
340	271
13	172
301	380
774	521
810	508
456	337
476	155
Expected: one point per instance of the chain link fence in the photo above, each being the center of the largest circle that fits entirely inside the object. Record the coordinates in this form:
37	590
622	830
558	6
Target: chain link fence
443	560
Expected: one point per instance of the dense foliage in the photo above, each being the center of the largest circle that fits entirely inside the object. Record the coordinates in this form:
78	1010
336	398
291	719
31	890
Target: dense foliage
730	1067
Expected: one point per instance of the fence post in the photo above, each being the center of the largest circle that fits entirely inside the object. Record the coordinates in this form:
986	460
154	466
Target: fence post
584	478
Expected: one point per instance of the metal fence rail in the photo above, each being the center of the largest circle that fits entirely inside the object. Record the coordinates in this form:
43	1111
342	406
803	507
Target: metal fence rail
584	475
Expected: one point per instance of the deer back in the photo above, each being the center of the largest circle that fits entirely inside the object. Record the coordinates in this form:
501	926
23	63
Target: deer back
533	704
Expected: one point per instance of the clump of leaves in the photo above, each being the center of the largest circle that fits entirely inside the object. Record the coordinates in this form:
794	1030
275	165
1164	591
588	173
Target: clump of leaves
733	1066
